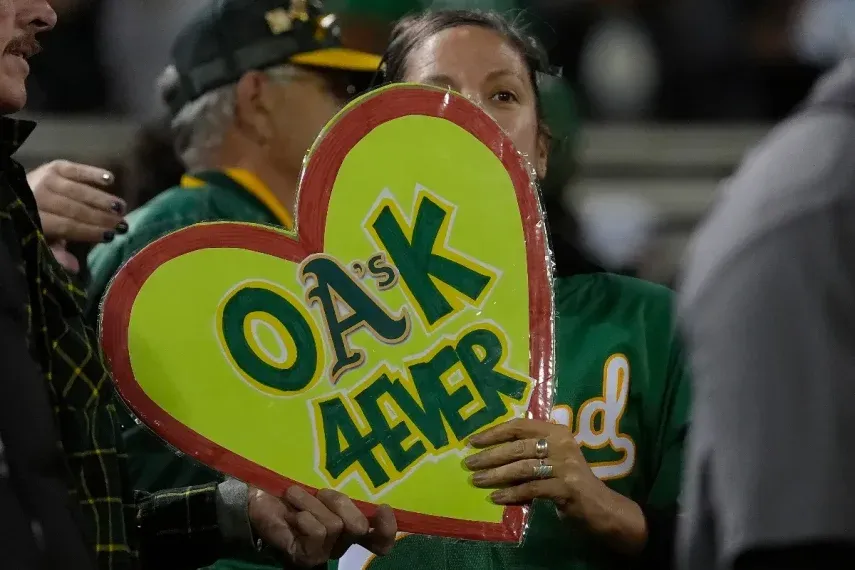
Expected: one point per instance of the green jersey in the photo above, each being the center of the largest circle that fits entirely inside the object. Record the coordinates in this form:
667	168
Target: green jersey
623	391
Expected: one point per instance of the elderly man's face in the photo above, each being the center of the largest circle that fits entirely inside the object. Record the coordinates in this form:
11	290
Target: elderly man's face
302	106
20	21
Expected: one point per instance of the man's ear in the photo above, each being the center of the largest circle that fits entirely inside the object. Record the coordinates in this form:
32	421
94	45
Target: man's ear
253	107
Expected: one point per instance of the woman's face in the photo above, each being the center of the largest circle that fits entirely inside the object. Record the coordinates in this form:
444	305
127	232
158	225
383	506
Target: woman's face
482	66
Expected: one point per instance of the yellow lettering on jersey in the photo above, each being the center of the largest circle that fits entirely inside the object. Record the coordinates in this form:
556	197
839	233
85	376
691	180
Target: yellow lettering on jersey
608	409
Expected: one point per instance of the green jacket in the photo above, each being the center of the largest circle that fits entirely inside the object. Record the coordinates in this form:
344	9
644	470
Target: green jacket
203	197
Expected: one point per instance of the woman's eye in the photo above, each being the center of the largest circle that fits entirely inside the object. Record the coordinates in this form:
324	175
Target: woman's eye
505	97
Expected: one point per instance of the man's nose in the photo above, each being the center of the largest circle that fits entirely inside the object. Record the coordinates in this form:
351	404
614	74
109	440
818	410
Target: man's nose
36	15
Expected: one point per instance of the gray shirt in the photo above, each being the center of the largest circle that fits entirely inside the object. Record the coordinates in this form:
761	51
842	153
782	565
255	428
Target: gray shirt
768	310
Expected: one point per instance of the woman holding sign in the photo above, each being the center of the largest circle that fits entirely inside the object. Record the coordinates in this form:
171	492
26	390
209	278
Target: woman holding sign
603	476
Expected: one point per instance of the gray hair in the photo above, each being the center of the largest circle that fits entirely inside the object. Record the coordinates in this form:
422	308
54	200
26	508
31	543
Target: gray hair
199	126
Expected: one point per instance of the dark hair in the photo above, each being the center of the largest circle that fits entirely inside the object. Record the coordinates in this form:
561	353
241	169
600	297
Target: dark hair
571	258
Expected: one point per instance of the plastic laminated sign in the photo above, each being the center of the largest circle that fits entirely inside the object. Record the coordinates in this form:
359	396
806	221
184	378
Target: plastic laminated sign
411	308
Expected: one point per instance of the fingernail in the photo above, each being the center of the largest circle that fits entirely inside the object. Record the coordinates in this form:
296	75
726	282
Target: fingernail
469	462
118	207
107	178
362	528
497	496
122	228
108	236
477	478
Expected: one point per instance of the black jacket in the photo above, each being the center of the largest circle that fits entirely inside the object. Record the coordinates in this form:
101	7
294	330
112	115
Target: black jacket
39	525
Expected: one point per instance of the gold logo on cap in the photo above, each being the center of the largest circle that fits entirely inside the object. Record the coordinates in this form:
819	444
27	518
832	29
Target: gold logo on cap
299	10
281	20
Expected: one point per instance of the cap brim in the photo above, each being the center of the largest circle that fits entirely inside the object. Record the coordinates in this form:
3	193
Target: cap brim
339	58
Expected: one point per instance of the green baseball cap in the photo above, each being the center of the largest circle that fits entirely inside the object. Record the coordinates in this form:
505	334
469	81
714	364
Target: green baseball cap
228	38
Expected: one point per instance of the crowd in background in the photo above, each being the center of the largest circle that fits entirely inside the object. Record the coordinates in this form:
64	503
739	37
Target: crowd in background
719	60
764	317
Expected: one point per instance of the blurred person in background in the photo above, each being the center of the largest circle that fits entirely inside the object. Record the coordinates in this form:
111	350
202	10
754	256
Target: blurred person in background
603	493
241	126
823	31
619	229
133	38
732	60
768	307
707	73
69	77
619	66
105	55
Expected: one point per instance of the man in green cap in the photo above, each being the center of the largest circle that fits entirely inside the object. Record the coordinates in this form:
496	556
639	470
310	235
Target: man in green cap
251	85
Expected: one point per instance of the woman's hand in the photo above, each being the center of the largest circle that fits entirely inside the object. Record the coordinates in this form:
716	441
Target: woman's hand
530	459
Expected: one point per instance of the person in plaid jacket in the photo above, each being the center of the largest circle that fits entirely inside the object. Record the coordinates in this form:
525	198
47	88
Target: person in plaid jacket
65	501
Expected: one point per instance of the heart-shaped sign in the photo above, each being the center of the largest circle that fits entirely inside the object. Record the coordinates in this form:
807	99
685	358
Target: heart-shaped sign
411	309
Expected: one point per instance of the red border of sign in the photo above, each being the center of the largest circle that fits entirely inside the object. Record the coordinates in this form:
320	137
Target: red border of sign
319	176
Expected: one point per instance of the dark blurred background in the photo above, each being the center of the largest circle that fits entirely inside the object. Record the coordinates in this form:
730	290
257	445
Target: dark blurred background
659	98
665	60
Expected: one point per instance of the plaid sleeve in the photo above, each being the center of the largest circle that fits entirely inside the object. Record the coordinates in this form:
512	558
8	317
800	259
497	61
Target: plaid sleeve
178	528
193	526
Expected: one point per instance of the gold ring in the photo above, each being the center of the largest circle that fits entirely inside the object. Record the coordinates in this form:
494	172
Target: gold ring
542	470
541	449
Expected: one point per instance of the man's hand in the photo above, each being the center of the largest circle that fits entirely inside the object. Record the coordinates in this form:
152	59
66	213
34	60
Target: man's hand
310	530
73	205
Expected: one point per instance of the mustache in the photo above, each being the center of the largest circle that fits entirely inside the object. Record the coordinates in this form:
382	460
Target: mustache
26	46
